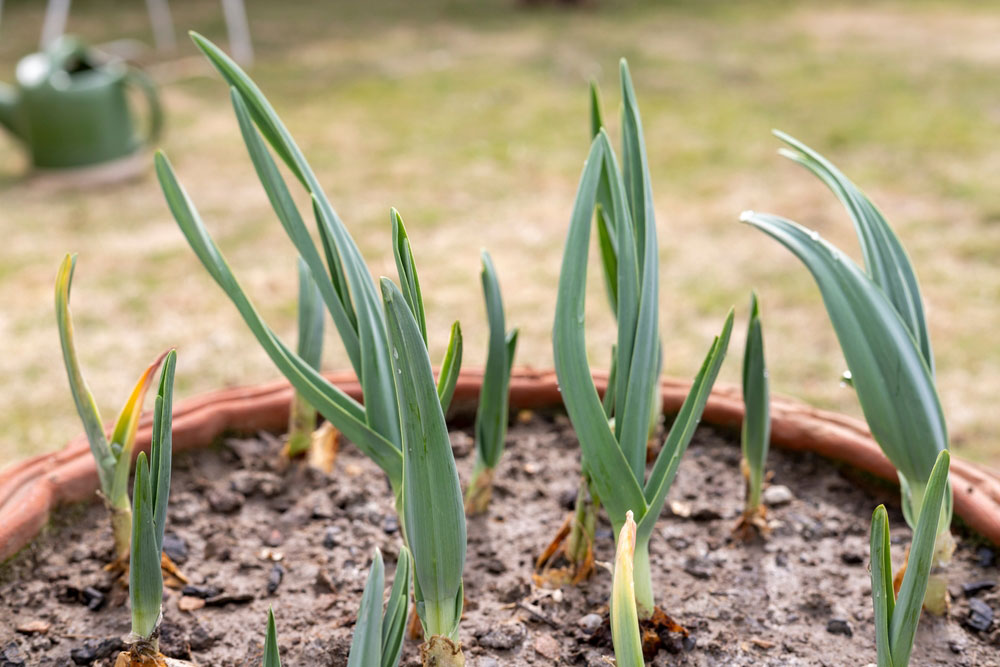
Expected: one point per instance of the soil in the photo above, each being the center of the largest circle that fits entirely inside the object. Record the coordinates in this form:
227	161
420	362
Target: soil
250	533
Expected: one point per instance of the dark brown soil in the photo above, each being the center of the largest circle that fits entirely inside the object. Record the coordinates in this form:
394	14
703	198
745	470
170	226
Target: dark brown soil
301	542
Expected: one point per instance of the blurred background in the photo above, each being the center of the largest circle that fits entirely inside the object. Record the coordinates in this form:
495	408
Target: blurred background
471	117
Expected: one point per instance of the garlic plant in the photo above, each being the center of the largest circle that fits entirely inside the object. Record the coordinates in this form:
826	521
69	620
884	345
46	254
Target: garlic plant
433	513
378	637
344	283
302	418
113	456
149	497
625	633
271	656
492	412
878	316
615	455
755	435
896	618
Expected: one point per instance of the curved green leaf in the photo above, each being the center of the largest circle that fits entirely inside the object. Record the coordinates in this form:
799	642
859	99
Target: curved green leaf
343	412
906	614
885	259
883	595
432	497
450	366
145	581
407	270
366	645
892	380
394	622
93	426
491	414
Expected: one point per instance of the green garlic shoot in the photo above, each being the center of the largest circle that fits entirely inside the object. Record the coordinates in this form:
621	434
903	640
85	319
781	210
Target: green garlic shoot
878	316
755	435
615	456
302	419
492	412
378	637
433	513
271	656
338	269
149	497
113	456
896	618
624	620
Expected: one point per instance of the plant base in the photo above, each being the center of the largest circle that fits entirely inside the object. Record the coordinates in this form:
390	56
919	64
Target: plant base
480	492
656	632
440	651
752	525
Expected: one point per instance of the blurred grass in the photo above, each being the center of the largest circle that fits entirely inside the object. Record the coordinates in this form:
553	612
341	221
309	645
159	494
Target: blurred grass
471	118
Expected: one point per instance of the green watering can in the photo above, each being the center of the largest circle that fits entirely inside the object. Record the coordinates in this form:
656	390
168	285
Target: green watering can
70	107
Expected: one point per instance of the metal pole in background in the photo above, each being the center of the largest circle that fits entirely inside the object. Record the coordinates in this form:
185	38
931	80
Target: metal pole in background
239	31
163	25
56	15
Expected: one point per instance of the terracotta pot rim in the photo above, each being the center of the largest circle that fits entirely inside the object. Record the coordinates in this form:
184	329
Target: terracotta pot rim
30	489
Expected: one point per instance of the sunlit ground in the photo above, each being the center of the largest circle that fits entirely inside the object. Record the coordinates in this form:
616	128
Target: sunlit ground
471	118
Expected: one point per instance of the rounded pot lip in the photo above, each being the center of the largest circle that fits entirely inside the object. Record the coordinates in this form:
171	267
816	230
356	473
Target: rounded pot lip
32	488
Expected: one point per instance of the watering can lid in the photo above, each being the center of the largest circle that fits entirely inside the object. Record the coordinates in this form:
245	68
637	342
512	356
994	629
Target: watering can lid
60	54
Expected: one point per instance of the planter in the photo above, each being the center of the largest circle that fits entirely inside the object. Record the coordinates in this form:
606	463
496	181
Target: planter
300	541
31	489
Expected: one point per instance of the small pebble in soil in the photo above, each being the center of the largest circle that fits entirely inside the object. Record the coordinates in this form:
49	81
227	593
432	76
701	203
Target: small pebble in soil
199	638
96	649
567	499
852	558
986	557
330	537
777	495
229	598
956	646
274	538
225	501
12	656
495	566
971	589
93	598
503	637
203	591
390	525
274	578
839	626
699	568
590	623
980	615
175	547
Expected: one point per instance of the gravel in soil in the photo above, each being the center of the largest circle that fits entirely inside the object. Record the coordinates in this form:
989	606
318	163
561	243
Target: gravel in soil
251	533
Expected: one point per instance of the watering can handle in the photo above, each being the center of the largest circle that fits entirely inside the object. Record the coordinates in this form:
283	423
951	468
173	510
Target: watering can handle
140	80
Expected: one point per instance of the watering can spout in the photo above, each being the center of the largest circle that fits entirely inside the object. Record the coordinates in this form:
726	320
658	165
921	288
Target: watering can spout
8	109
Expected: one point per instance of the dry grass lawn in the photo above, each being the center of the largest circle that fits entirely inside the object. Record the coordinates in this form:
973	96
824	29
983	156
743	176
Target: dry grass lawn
471	119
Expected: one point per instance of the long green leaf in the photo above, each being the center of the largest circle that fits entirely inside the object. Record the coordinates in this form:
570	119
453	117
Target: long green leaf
291	221
665	467
885	259
624	617
343	412
407	270
85	405
756	431
145	585
611	474
271	656
366	645
635	165
906	614
491	414
394	621
161	446
433	511
892	380
883	595
124	431
450	367
375	371
310	343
